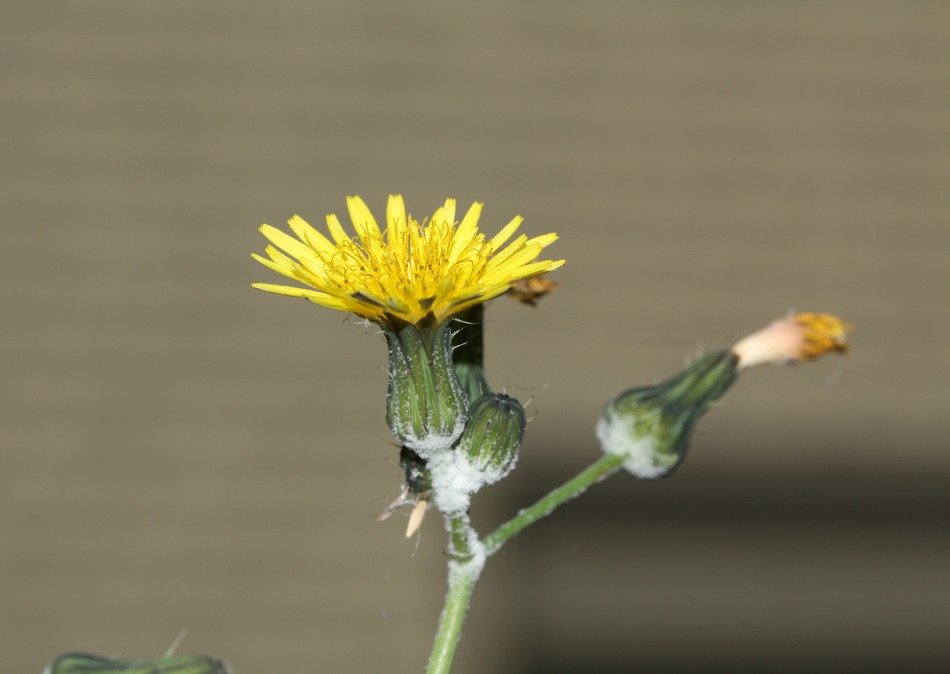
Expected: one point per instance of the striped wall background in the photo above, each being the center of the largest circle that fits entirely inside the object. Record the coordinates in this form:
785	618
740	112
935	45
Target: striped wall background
178	451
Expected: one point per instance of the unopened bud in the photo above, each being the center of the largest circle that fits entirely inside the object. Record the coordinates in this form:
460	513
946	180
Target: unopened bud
493	435
82	663
650	426
425	405
486	452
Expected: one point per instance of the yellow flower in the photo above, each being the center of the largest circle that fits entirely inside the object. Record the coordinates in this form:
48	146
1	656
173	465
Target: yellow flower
410	272
794	339
824	333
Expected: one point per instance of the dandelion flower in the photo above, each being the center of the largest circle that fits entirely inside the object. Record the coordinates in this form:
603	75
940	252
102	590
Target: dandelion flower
411	272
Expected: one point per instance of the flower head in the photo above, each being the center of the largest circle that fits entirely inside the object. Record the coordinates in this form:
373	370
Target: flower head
407	273
651	426
794	339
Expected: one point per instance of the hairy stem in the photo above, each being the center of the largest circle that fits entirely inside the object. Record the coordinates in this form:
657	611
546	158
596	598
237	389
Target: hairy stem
468	555
464	568
577	485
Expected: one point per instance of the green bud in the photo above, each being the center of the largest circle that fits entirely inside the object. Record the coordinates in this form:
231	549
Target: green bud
651	425
418	477
81	663
425	404
493	435
469	352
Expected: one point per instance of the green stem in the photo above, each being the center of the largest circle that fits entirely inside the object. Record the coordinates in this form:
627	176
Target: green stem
466	562
577	485
464	568
460	533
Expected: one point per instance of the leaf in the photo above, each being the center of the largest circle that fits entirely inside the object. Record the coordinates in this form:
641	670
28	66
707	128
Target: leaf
83	663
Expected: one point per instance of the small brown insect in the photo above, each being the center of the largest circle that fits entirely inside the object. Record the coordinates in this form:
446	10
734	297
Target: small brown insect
530	290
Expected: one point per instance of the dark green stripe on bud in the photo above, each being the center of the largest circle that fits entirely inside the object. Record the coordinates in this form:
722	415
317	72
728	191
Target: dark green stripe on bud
493	436
651	425
82	663
425	404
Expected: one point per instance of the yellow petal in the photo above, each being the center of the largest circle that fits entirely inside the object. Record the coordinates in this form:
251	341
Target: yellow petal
309	269
499	239
278	257
544	240
336	229
523	256
306	232
290	291
466	231
510	250
363	221
535	268
284	241
483	296
395	216
274	266
294	271
342	304
445	213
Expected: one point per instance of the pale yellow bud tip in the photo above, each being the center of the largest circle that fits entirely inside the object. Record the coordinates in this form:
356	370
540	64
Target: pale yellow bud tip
794	339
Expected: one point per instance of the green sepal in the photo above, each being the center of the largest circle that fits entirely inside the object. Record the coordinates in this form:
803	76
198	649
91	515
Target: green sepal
425	403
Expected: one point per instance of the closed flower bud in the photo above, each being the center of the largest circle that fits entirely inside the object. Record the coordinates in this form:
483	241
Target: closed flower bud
486	452
81	663
425	404
493	435
651	425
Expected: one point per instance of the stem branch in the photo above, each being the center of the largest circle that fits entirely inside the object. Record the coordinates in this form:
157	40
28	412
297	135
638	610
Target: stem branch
468	555
577	485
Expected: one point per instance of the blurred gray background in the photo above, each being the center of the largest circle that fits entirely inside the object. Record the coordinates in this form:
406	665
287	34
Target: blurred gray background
179	451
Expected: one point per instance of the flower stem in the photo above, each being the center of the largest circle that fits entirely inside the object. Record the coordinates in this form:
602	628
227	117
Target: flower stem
468	555
464	568
577	485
